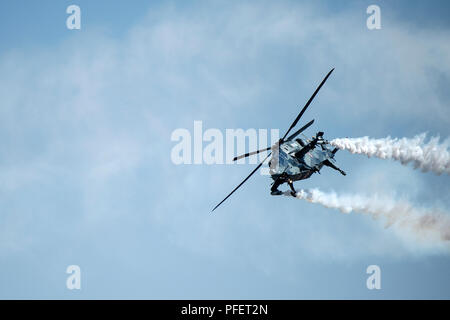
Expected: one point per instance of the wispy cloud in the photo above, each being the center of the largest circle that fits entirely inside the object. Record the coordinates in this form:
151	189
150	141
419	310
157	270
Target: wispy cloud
98	107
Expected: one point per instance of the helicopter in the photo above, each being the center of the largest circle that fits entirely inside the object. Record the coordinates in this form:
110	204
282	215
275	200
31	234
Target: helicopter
293	158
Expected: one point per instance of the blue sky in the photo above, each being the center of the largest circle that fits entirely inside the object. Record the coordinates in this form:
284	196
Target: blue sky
85	171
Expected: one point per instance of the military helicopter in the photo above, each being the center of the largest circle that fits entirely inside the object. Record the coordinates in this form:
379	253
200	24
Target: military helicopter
294	158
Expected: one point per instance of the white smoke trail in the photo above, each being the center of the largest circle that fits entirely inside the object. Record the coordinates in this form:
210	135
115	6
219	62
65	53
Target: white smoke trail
430	156
426	224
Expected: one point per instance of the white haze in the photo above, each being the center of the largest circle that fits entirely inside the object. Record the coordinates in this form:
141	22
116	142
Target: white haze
427	156
426	224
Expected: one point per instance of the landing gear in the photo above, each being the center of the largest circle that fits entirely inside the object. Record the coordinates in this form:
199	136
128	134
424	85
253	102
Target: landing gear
291	185
274	189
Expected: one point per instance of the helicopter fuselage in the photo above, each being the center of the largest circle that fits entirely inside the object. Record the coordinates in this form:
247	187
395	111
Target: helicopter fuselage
289	162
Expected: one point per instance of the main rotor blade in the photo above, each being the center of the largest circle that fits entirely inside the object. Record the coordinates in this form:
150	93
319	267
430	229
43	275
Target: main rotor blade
251	153
292	136
307	104
259	165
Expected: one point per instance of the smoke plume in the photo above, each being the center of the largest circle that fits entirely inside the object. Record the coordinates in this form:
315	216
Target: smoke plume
426	224
427	156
